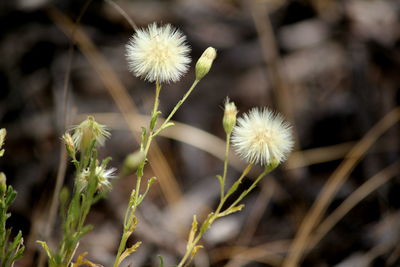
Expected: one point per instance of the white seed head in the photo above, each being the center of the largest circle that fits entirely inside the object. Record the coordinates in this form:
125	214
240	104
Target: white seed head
158	53
262	137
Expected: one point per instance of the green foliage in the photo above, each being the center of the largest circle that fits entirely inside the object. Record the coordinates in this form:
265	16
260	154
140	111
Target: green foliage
88	188
10	251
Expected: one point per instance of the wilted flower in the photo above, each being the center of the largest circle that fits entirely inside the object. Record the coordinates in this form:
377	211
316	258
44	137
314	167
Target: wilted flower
103	176
158	53
69	144
88	131
262	137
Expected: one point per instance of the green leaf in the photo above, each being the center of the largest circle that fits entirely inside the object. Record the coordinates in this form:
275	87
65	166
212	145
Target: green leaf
10	195
233	188
46	248
220	179
206	223
167	125
143	138
139	171
154	120
129	251
105	162
192	232
149	183
161	260
231	210
86	229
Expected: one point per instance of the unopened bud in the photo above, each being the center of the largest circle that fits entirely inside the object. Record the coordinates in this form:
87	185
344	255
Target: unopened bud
69	144
133	160
3	185
229	120
204	63
3	133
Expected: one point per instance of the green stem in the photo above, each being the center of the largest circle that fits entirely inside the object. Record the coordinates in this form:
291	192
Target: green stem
253	185
130	214
227	146
211	220
244	173
176	107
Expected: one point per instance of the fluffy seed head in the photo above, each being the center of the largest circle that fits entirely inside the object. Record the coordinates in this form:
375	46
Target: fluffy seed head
262	137
88	131
103	176
158	53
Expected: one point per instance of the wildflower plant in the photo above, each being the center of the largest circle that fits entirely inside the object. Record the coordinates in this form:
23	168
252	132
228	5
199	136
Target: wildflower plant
157	54
260	137
10	251
90	185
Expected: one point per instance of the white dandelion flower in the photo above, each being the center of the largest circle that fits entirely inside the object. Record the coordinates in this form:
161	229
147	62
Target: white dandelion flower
263	137
158	53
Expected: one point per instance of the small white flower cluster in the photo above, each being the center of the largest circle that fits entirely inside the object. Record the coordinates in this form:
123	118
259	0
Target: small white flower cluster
262	137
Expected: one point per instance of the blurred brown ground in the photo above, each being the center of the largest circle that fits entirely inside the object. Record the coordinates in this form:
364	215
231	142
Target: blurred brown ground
332	67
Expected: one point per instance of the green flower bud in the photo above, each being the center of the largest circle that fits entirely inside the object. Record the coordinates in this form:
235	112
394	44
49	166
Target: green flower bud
3	185
204	63
229	120
133	160
3	133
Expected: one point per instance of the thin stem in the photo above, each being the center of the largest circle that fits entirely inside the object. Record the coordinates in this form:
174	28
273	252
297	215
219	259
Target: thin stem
211	219
244	173
176	107
253	185
131	209
227	146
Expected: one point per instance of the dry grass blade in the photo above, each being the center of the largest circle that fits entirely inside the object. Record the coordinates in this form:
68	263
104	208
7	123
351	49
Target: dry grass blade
268	253
123	13
351	201
118	92
333	184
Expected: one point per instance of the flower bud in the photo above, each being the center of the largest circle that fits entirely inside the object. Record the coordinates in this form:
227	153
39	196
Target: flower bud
204	63
3	185
3	133
133	160
229	120
69	144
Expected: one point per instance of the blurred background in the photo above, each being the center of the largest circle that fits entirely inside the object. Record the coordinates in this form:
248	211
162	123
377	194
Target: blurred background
331	67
